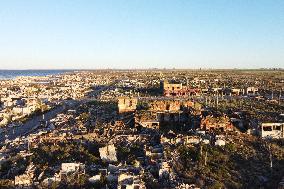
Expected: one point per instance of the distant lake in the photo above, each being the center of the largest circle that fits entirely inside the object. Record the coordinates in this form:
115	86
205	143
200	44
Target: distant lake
11	74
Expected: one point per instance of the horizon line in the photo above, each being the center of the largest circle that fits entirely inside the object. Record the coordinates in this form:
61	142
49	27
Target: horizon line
90	69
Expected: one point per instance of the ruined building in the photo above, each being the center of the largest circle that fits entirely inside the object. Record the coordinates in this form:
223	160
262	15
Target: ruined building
147	119
170	105
126	104
164	112
71	171
221	123
108	153
173	89
271	130
178	90
251	90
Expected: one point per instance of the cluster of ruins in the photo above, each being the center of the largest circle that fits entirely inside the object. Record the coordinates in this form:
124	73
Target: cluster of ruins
136	129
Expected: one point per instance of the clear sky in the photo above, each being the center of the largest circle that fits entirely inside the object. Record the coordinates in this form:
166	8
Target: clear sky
54	34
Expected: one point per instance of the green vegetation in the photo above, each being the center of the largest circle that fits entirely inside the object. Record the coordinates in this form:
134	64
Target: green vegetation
84	117
236	165
129	154
13	166
188	153
50	154
255	108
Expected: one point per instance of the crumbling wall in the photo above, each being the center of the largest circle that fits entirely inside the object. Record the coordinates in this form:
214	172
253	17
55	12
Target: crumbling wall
177	89
221	123
169	105
272	130
108	153
126	104
173	89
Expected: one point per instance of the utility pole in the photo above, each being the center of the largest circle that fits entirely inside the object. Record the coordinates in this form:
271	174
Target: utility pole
270	157
205	159
217	101
29	145
42	113
279	99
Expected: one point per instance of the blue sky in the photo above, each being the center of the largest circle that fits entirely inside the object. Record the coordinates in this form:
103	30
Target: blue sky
55	34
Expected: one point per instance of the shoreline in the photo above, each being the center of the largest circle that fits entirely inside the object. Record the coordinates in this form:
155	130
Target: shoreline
6	75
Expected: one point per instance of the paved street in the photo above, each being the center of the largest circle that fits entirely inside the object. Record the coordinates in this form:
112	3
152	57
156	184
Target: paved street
24	129
13	133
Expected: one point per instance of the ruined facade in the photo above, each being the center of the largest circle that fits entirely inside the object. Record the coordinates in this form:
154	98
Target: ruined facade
178	90
126	104
150	124
71	171
171	117
169	105
173	89
147	119
108	153
251	90
222	123
163	112
236	92
271	130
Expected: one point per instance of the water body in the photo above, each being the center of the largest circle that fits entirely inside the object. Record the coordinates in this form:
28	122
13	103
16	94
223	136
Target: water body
11	74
